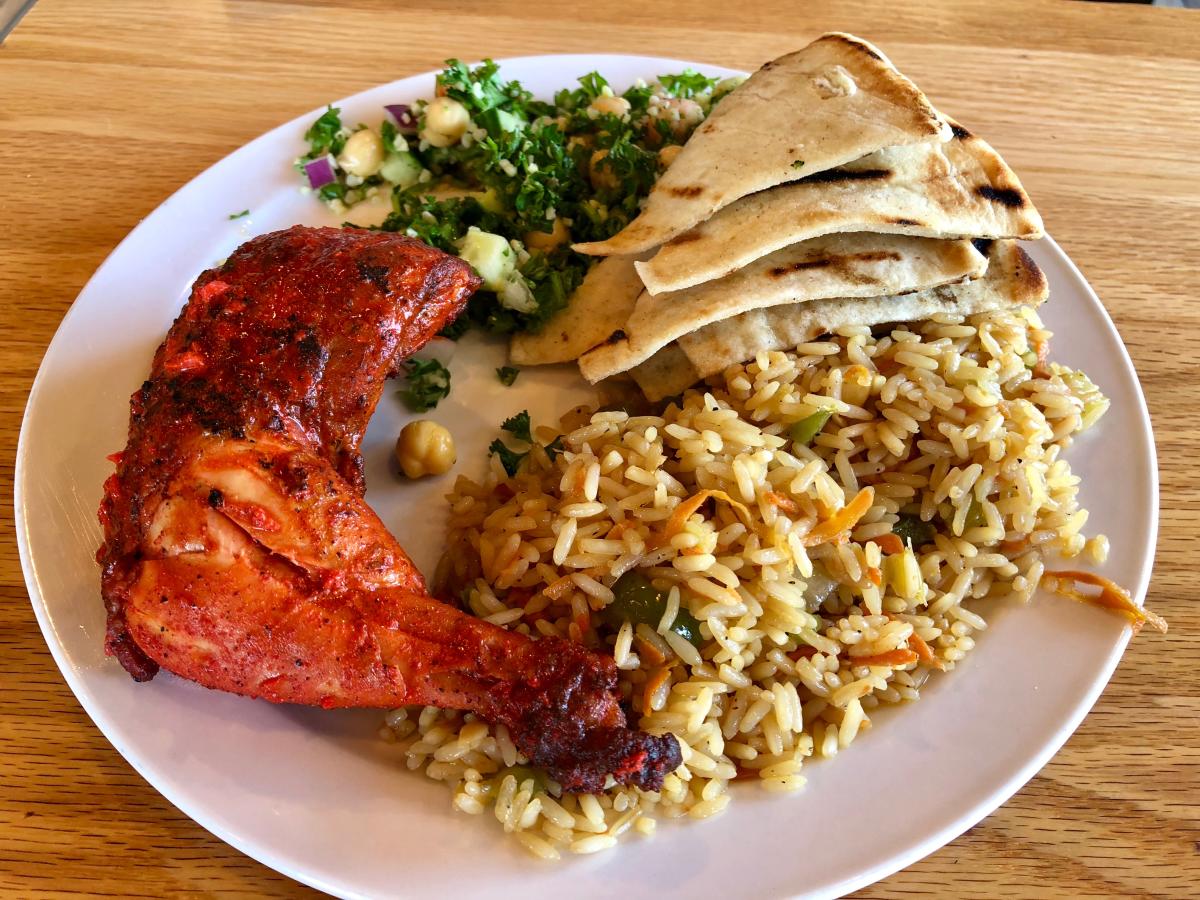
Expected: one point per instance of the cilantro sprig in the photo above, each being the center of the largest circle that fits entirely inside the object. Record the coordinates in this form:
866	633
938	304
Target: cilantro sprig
428	383
326	134
520	426
510	459
687	84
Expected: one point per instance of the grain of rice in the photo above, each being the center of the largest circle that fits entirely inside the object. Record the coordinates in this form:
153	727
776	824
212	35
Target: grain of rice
537	846
593	844
623	643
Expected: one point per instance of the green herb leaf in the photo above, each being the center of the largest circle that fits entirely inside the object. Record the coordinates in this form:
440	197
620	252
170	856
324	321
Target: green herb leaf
592	85
798	164
388	133
428	384
687	83
510	459
244	212
325	134
507	375
519	426
554	448
335	190
638	98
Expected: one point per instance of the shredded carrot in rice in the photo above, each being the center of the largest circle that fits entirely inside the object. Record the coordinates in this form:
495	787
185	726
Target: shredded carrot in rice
924	652
874	575
582	622
837	527
859	374
617	530
893	658
1042	347
890	543
556	590
648	652
681	513
783	502
1112	596
656	680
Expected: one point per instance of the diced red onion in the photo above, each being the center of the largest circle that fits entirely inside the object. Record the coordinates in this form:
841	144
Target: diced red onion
320	172
403	115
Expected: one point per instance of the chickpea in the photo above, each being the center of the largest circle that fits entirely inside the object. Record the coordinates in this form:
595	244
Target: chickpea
667	154
446	121
610	106
680	115
601	176
363	154
425	448
545	242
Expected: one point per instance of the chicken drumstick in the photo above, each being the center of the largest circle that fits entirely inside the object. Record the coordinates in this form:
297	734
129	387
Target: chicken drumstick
239	551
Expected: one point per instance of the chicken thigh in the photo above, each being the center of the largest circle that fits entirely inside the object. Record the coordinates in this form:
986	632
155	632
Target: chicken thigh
239	551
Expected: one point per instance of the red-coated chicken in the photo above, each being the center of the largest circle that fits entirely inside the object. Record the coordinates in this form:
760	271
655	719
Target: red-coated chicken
239	551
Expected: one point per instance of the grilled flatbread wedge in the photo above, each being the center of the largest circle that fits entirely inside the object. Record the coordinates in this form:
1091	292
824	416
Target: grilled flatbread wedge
601	304
1012	279
859	264
834	101
961	188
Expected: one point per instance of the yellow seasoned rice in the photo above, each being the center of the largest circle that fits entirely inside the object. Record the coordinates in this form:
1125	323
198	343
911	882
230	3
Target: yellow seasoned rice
952	419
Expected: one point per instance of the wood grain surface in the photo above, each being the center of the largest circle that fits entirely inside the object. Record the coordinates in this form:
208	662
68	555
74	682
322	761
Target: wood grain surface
110	105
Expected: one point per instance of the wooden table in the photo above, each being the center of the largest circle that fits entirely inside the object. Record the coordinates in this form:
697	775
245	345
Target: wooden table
110	105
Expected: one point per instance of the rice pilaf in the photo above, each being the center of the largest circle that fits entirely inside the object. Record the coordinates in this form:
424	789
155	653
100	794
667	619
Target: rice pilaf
812	611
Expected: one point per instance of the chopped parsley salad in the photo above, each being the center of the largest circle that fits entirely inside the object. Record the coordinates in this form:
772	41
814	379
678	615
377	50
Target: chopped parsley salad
507	182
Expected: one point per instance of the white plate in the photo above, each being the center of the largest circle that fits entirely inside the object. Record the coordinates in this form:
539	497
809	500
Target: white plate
319	797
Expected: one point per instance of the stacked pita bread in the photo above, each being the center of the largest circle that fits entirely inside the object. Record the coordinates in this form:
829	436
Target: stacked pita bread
823	192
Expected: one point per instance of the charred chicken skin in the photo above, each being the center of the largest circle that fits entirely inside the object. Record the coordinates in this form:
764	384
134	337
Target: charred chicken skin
239	551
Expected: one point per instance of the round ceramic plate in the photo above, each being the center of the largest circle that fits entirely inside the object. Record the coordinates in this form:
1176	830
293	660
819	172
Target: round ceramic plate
318	796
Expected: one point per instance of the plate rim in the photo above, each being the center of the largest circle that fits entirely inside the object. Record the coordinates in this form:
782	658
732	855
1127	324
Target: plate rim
262	852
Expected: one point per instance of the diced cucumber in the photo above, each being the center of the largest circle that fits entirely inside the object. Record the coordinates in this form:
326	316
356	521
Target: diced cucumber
490	255
401	169
516	295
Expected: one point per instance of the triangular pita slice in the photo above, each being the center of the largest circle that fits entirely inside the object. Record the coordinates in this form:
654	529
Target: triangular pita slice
1012	279
601	304
836	100
836	265
961	188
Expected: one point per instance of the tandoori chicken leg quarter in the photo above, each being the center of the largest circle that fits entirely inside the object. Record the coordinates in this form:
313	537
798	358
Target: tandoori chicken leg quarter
239	551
